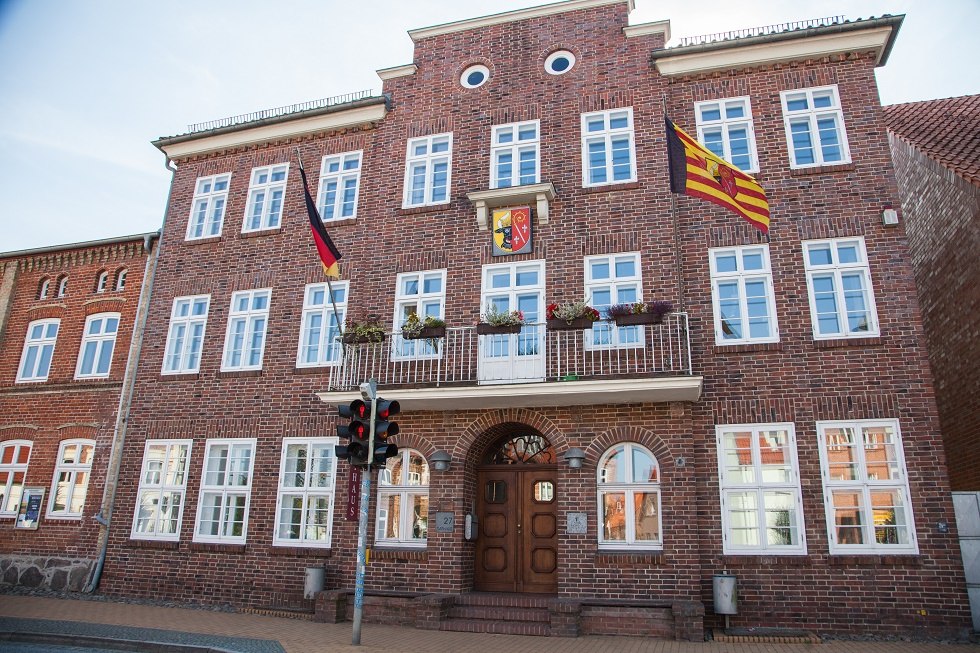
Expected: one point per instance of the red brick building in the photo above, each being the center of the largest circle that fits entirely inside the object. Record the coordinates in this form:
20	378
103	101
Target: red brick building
67	315
779	425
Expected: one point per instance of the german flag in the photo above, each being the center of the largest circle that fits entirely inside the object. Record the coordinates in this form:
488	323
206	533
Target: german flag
329	254
698	172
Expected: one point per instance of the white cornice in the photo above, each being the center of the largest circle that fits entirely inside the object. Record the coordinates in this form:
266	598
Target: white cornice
397	71
277	131
512	16
726	58
643	29
522	395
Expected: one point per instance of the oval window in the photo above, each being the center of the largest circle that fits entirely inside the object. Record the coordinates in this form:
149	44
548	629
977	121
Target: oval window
560	62
475	76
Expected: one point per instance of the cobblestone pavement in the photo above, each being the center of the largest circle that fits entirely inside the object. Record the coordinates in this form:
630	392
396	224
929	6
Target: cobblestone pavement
254	634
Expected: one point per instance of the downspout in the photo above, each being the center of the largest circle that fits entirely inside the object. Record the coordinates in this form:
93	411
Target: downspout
104	517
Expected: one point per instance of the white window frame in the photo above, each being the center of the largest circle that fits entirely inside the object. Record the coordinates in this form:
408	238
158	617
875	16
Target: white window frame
865	485
428	161
406	492
417	303
629	489
339	177
161	487
759	488
837	270
606	136
62	287
225	489
251	317
103	282
306	492
619	337
268	218
72	469
40	343
101	341
8	504
42	292
208	208
515	147
741	277
724	125
121	279
181	326
810	116
327	341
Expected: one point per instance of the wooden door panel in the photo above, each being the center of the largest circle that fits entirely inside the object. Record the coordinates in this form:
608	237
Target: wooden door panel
539	508
495	569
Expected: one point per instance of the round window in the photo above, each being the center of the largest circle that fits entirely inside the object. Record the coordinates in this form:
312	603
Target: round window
560	62
475	76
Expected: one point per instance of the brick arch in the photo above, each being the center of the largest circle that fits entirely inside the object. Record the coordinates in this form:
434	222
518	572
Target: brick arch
417	442
490	426
602	442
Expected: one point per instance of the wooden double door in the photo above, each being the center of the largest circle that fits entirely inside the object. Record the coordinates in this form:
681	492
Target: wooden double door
517	546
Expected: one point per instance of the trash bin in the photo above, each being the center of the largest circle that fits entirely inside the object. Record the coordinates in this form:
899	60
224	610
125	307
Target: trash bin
725	593
314	582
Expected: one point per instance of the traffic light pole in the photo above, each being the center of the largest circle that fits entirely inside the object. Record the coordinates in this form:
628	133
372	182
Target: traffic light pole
362	523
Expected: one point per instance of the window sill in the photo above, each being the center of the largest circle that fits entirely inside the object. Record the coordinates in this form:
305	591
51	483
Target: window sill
203	241
340	222
874	559
163	545
418	210
73	386
624	558
260	233
299	551
231	374
821	170
835	343
606	188
214	547
747	347
180	376
400	554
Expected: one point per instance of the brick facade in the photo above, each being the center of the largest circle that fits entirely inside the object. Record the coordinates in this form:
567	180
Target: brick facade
60	553
796	380
942	213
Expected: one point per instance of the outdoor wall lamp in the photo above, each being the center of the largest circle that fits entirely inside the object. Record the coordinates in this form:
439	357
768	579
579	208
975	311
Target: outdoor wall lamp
440	461
574	456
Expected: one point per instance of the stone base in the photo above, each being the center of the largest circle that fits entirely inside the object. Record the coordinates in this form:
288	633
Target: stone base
58	574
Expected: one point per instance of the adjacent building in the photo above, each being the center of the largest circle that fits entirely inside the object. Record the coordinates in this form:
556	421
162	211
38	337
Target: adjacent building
778	426
67	317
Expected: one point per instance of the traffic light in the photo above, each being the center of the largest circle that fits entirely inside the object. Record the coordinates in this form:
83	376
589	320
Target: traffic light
356	432
384	428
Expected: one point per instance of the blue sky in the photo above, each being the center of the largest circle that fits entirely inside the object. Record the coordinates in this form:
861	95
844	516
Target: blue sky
86	85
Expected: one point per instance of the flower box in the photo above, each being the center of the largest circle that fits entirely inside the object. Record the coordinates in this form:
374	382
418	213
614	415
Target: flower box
426	333
485	329
355	339
576	324
639	318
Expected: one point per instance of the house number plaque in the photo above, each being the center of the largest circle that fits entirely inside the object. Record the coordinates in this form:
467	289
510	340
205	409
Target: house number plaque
577	523
445	522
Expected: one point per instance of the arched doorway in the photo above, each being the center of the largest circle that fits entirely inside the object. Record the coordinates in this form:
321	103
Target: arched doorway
517	499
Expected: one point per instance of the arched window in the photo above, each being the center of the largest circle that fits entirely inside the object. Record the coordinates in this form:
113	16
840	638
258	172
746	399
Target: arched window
629	498
14	455
62	286
523	449
71	476
43	288
121	279
403	500
103	281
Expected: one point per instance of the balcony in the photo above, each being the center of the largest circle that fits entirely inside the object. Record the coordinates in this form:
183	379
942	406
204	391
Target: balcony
536	367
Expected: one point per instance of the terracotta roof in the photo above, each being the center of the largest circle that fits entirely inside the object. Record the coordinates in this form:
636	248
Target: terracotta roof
947	131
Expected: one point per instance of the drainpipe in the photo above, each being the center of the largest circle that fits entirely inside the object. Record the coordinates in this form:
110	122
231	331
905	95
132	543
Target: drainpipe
104	517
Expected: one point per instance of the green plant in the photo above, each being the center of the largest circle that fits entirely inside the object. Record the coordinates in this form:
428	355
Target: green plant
495	317
369	330
571	311
413	325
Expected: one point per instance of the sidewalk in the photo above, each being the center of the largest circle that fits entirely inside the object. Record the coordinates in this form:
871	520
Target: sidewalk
259	634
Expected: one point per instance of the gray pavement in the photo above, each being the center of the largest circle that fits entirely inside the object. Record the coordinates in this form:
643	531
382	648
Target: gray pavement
249	633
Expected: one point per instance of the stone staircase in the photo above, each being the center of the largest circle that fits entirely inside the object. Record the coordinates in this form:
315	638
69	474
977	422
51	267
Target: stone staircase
507	614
